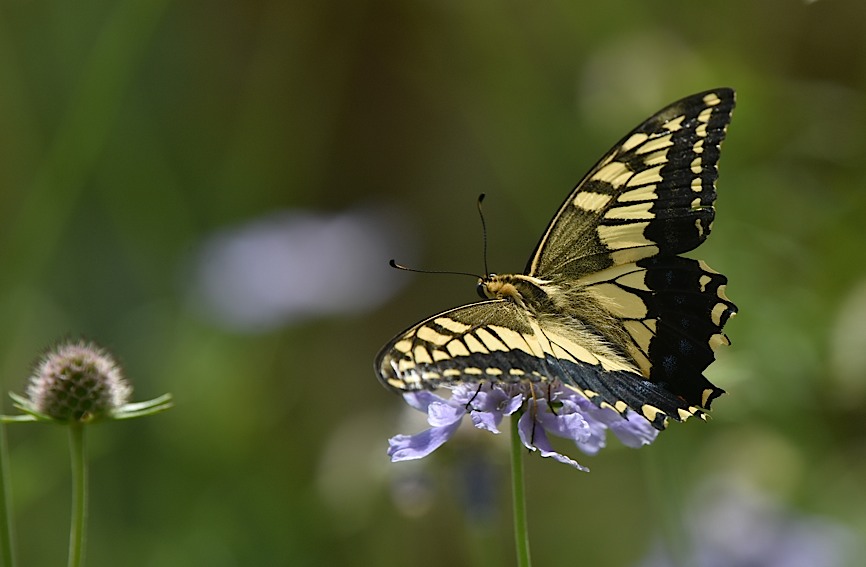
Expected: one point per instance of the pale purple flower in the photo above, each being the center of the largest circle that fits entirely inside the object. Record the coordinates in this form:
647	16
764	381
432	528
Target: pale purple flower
548	408
734	524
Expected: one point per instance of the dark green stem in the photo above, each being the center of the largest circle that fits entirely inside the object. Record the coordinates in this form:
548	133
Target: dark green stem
78	526
521	532
6	545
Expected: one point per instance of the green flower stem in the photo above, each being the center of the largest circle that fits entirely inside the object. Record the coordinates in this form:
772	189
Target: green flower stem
6	549
521	532
79	495
665	484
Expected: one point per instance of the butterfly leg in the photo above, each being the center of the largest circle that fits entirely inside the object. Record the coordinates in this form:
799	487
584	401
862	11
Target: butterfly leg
468	405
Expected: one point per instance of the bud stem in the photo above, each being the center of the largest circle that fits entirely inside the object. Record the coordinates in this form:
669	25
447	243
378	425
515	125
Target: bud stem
79	495
521	533
6	540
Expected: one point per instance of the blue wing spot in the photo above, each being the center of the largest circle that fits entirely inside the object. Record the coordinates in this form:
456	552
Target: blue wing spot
669	363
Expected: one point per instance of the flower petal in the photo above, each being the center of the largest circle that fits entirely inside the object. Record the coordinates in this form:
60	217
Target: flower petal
486	420
568	422
440	414
408	447
422	399
535	439
597	439
633	430
513	404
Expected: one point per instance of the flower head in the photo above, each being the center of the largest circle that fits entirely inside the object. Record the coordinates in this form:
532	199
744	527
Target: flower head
77	381
80	382
547	409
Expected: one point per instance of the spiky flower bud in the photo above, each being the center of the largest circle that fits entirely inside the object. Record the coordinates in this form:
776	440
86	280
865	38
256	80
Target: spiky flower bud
77	381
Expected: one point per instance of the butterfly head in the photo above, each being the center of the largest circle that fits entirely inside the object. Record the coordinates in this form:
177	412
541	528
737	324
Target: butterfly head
525	291
497	287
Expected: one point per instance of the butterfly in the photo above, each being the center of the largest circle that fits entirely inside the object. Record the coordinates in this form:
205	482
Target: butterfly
606	305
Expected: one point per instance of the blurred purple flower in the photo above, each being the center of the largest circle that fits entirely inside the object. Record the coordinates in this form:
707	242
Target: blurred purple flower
294	265
547	409
733	524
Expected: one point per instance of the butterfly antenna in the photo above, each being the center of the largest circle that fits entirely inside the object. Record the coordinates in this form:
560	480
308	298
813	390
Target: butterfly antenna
397	266
483	233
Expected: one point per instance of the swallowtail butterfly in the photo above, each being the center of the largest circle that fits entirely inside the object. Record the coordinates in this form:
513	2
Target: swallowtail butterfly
606	304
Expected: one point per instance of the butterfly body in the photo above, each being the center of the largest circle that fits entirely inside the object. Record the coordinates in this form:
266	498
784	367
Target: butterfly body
606	305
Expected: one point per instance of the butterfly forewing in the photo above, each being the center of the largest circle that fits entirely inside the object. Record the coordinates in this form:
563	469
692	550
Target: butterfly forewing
614	312
651	194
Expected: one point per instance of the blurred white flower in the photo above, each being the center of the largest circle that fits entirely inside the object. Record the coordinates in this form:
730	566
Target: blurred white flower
295	265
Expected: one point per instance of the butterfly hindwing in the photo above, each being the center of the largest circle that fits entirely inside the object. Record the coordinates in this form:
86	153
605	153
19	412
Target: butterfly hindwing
673	310
497	341
490	340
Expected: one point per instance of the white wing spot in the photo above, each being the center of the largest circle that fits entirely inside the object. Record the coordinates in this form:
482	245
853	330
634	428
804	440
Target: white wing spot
474	344
634	280
712	99
645	193
616	173
627	305
718	340
639	211
491	342
422	355
440	355
645	177
457	348
656	144
634	253
430	335
452	325
512	339
621	236
589	201
634	140
717	312
639	333
696	165
675	124
650	412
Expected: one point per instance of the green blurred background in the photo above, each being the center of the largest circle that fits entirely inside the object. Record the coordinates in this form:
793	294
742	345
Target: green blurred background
213	189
